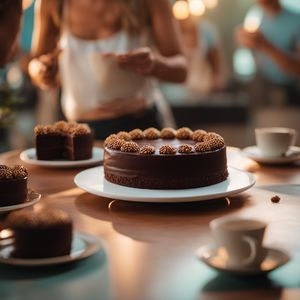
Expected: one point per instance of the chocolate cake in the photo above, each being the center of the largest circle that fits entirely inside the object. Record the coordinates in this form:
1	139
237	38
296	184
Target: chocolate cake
13	185
167	159
63	140
42	234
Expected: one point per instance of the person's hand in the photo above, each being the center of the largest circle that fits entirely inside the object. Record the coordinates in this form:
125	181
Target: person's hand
252	40
43	70
140	60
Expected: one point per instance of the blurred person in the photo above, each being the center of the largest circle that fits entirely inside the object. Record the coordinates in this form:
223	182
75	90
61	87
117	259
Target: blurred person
107	55
206	68
10	17
276	45
204	52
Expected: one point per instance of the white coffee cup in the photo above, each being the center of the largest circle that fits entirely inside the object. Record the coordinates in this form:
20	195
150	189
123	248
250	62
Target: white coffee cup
242	240
275	141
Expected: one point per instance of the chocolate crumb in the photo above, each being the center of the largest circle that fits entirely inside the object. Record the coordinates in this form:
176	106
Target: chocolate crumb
275	199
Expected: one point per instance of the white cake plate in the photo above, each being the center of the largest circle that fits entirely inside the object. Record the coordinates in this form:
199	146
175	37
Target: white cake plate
93	181
29	156
32	198
83	246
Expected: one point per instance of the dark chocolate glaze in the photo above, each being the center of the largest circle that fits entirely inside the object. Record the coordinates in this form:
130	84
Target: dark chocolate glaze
13	191
165	171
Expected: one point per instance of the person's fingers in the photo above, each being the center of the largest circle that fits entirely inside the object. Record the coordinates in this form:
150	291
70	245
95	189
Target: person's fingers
131	58
56	52
136	63
132	67
139	54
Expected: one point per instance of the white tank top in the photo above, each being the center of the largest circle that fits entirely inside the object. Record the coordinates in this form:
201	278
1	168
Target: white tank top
91	79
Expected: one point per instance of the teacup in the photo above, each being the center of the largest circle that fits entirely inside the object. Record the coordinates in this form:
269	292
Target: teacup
275	141
242	240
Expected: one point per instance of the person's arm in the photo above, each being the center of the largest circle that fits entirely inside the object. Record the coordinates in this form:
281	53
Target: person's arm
209	35
46	29
169	64
214	58
10	16
289	62
43	68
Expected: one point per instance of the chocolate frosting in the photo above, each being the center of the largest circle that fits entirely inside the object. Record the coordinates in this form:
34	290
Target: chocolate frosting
167	171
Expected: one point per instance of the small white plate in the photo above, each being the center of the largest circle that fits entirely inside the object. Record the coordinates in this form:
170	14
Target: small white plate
83	246
93	181
32	198
254	153
212	256
29	156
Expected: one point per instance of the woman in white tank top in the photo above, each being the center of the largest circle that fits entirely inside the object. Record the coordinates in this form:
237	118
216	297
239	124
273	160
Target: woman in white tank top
112	53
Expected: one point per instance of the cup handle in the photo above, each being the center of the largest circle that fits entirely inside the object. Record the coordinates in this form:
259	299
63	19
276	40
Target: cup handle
253	250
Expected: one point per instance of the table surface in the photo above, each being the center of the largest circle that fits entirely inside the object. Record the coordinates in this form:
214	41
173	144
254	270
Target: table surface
149	249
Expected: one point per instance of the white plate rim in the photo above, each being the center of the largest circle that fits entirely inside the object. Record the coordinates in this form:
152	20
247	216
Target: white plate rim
97	157
245	271
37	197
93	245
163	199
272	160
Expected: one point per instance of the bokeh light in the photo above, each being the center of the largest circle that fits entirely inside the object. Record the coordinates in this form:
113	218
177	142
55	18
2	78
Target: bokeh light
196	7
251	23
14	76
211	3
181	10
253	19
244	64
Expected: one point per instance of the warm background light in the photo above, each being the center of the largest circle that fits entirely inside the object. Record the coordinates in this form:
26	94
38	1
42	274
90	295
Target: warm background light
251	23
196	7
211	3
181	10
26	4
253	19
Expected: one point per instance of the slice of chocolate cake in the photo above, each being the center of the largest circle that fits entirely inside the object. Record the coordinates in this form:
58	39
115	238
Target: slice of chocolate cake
63	140
42	234
13	185
79	143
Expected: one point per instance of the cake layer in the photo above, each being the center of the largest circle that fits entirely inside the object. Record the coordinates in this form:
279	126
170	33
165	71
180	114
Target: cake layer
79	147
54	147
50	146
13	191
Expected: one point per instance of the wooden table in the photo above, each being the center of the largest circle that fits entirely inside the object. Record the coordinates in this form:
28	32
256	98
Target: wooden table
149	249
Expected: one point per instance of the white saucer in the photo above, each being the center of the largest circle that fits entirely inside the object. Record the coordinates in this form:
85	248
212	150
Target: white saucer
212	256
254	153
93	181
83	245
32	198
29	156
